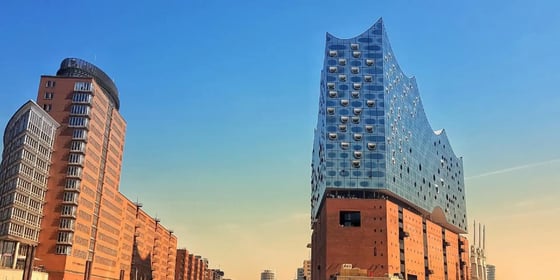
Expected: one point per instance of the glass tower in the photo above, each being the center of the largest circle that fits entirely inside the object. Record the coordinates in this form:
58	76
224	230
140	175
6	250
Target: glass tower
373	134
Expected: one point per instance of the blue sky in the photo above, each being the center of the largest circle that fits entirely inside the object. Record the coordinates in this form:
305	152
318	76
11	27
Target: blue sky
221	99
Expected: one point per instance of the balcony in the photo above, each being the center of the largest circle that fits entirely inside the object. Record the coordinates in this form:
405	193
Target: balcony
83	87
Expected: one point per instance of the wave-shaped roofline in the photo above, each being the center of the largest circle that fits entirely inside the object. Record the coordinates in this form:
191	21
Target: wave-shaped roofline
378	22
439	133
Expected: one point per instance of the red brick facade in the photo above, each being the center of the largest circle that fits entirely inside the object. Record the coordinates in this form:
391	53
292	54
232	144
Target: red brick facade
109	236
387	240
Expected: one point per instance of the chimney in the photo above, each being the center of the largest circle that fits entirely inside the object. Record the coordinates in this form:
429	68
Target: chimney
474	233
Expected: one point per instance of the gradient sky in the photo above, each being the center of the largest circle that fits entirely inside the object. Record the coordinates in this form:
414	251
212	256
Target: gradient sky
221	101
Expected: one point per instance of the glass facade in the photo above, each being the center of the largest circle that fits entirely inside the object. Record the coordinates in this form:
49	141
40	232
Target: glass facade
372	132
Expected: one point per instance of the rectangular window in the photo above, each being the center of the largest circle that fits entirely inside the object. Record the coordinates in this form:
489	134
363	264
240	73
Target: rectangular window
73	184
33	219
76	158
79	134
81	97
49	95
44	150
47	107
68	210
35	205
70	197
66	223
78	109
83	86
37	191
38	177
26	170
77	122
77	146
21	199
31	142
74	171
16	229
41	164
63	249
350	218
24	184
18	214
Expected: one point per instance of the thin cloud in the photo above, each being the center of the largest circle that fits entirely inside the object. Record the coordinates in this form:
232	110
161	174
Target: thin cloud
554	210
515	168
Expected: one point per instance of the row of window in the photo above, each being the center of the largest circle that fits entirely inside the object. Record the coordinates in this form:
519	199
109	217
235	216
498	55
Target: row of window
18	214
15	229
43	151
343	128
344	102
25	169
367	79
50	84
353	70
25	185
8	185
19	230
31	142
355	54
356	136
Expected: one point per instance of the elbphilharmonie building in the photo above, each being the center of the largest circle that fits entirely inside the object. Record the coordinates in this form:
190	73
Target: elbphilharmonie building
388	192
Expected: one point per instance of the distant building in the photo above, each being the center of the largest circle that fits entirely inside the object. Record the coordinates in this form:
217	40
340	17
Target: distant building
181	264
26	159
300	274
387	191
267	275
490	272
197	268
215	274
347	272
307	269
